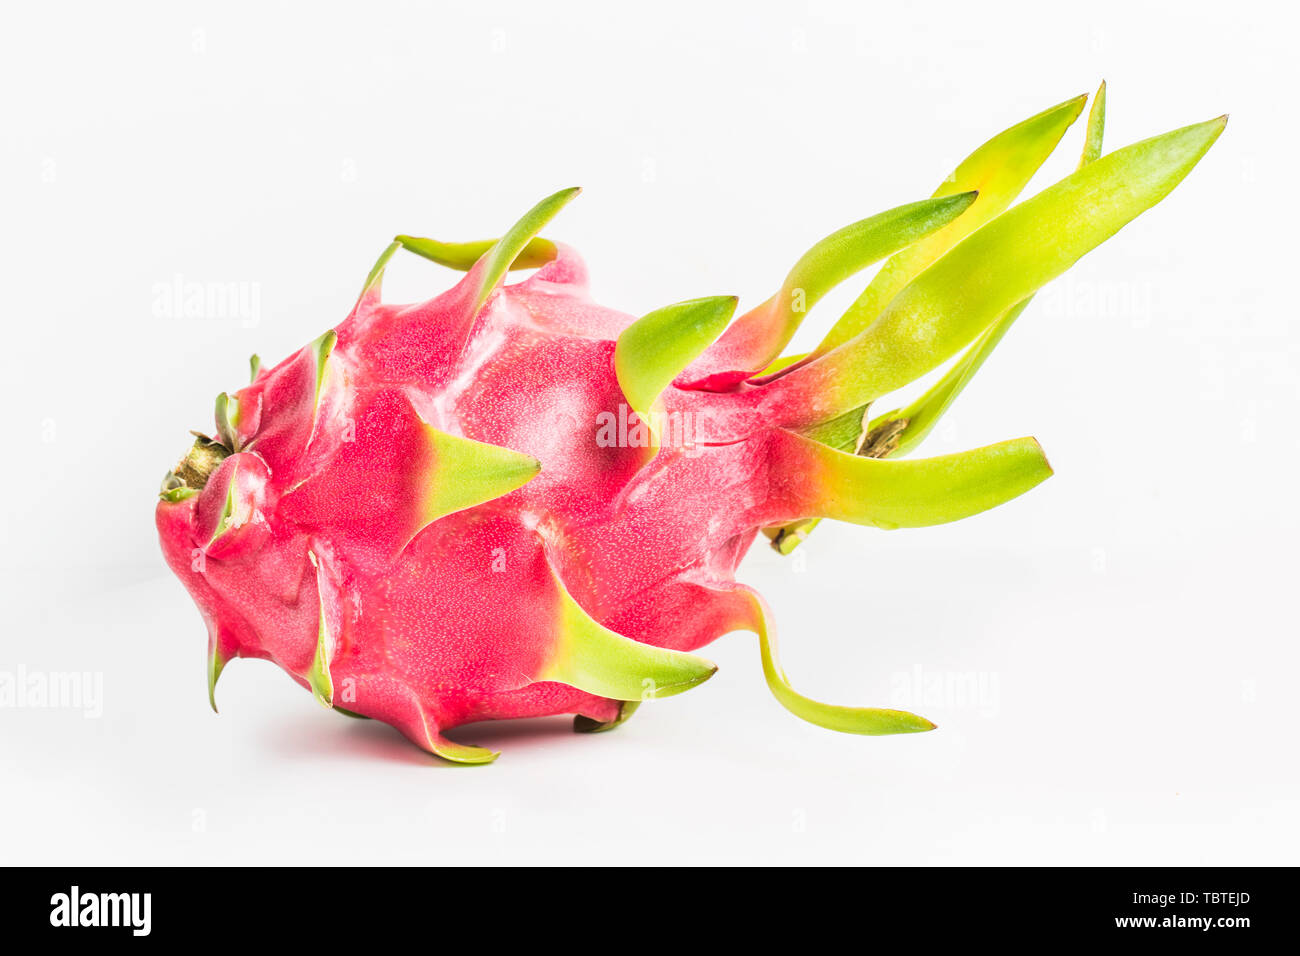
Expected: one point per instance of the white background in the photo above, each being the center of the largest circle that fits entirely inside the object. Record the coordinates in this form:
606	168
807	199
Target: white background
1129	627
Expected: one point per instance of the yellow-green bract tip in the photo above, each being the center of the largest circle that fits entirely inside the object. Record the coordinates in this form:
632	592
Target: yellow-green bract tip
591	657
216	664
497	260
468	473
657	347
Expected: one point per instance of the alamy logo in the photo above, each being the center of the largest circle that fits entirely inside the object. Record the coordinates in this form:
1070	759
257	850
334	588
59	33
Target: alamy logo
63	690
188	299
102	909
626	428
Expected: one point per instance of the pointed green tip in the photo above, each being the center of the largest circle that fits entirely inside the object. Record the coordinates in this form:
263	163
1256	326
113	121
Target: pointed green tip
1209	131
1092	139
682	679
1047	465
914	723
659	346
254	366
498	259
321	689
469	473
323	346
375	278
589	656
321	349
1070	108
216	664
318	678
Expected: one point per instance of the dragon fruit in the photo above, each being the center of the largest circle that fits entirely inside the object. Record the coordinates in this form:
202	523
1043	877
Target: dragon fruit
510	501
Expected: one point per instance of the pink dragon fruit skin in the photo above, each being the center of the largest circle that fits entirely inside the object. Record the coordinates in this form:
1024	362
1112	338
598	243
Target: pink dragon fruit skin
509	501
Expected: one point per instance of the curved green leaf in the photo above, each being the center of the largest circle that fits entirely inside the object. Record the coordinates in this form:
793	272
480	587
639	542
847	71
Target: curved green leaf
998	170
217	661
756	339
953	301
867	721
908	493
905	428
